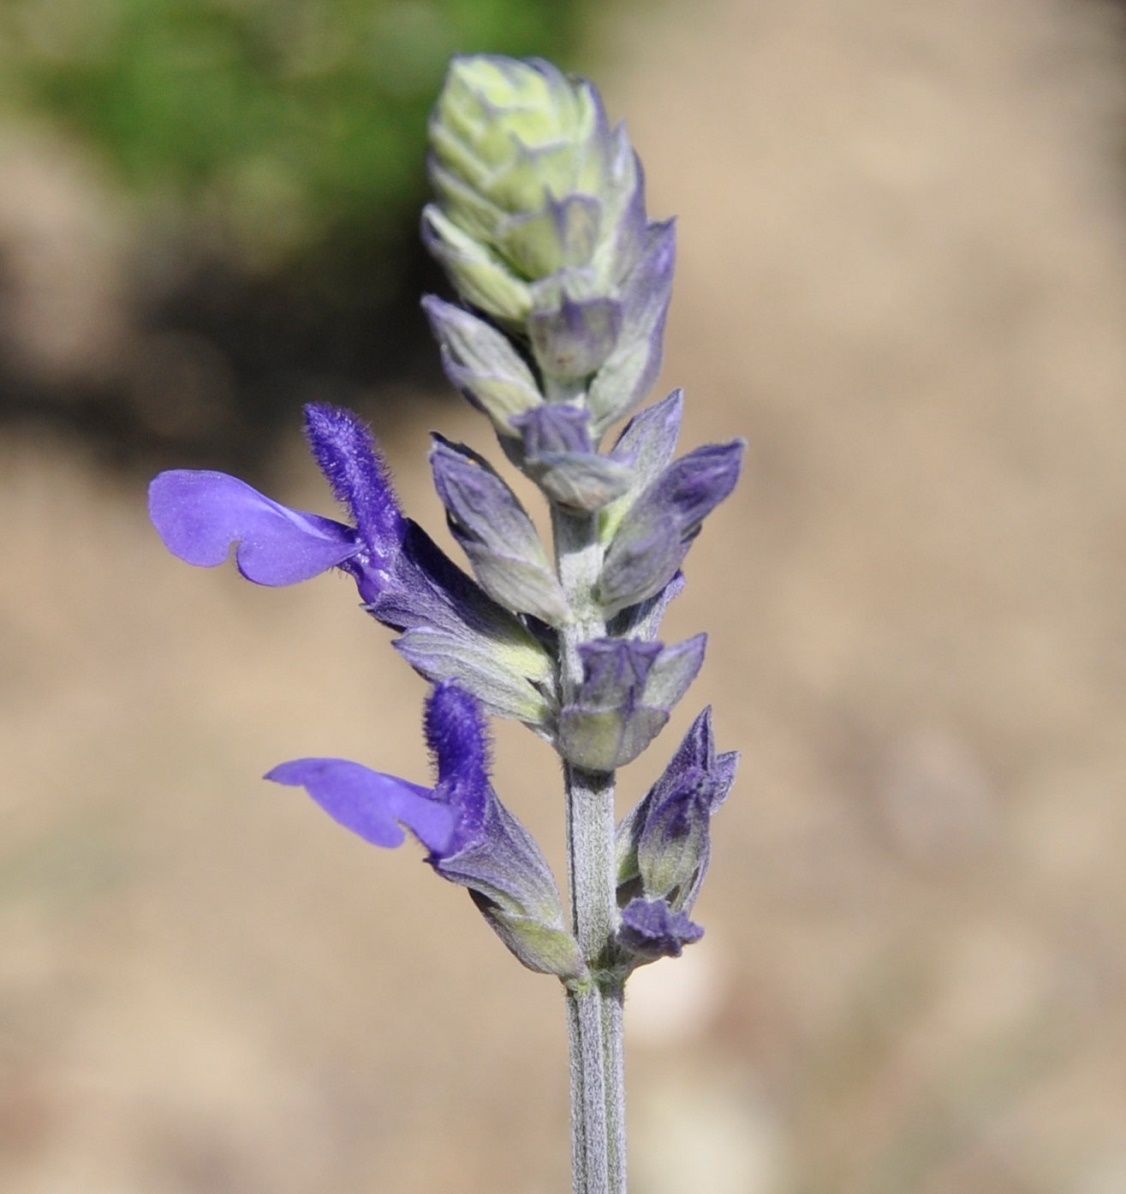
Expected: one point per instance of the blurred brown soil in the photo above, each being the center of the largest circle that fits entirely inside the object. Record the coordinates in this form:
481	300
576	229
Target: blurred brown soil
903	279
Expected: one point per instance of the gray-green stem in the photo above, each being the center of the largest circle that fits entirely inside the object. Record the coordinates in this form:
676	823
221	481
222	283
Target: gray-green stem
594	1011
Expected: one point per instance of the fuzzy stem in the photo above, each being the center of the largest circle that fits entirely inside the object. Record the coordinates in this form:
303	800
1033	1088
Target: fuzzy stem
594	1013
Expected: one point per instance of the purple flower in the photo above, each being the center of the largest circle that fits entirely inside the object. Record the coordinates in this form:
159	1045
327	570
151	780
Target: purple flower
451	629
199	515
472	839
374	806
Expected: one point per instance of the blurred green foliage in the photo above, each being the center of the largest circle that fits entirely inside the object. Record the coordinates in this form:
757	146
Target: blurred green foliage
285	121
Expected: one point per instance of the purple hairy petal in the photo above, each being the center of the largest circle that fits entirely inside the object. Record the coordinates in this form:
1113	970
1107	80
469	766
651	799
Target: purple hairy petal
456	733
488	844
490	852
659	528
201	514
373	805
650	929
346	452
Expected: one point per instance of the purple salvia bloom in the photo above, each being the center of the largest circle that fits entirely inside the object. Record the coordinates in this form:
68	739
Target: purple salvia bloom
658	529
404	579
473	840
629	687
650	929
200	514
490	851
373	806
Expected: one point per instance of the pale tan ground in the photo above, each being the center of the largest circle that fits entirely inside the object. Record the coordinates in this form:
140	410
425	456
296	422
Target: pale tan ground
903	279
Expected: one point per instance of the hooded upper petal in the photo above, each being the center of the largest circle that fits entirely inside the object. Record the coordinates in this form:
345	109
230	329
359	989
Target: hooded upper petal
348	456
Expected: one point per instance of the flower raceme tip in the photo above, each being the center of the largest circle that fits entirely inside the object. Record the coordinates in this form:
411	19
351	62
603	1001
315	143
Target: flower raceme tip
539	221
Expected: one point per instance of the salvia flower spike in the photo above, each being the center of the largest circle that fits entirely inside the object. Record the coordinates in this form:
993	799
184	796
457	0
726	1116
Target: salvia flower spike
563	285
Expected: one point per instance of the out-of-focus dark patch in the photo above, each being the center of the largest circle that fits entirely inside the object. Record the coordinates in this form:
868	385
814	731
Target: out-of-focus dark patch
223	359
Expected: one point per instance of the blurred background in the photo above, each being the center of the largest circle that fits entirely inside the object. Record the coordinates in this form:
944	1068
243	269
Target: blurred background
902	278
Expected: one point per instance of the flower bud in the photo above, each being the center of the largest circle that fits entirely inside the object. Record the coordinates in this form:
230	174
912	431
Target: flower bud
483	364
557	454
629	688
657	531
521	160
663	844
494	529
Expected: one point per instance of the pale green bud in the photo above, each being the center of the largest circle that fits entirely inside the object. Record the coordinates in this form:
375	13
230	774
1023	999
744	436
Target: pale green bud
529	180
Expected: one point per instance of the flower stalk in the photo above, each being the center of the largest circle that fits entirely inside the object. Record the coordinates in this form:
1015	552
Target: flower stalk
594	1013
539	221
